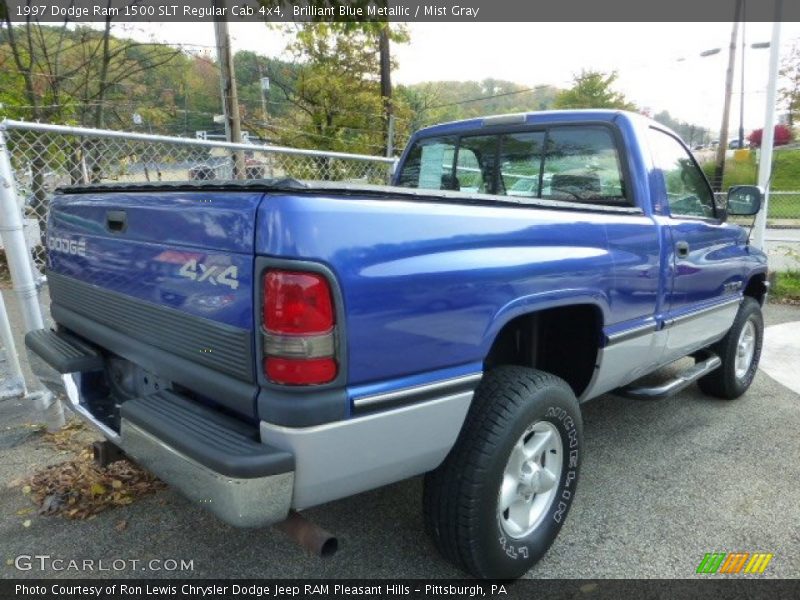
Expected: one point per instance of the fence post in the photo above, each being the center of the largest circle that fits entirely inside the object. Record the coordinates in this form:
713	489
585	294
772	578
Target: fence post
21	269
15	386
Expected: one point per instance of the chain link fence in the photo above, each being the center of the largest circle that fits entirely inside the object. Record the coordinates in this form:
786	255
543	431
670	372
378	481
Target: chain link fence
783	210
784	205
46	157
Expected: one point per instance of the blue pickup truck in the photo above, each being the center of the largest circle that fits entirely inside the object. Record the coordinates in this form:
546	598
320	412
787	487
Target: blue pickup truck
268	346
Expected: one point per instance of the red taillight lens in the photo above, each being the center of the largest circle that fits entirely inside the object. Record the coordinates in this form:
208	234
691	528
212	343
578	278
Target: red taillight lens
291	371
298	339
297	303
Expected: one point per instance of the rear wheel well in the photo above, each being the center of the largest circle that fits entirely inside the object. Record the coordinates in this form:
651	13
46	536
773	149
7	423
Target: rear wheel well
756	288
562	341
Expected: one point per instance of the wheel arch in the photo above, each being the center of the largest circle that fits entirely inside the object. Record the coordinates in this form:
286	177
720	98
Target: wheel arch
756	287
563	339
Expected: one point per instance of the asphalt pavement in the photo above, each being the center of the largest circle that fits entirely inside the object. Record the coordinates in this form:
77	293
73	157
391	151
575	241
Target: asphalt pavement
662	483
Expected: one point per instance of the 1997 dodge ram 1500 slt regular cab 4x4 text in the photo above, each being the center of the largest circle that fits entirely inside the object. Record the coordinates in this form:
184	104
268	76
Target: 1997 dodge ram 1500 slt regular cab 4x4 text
272	345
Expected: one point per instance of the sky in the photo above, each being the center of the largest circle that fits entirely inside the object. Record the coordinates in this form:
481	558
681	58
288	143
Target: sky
659	64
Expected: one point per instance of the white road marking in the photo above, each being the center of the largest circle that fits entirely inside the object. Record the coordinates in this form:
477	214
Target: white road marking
780	356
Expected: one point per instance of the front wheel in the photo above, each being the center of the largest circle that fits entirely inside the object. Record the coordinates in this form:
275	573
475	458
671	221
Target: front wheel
740	351
498	501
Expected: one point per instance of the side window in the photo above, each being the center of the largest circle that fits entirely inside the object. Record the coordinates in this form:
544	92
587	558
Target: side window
430	165
475	164
582	165
688	193
521	164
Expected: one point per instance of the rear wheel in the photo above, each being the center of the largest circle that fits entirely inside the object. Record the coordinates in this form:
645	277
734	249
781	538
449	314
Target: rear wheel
740	351
498	501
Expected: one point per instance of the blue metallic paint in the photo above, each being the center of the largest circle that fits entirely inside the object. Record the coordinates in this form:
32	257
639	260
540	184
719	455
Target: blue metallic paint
164	231
426	285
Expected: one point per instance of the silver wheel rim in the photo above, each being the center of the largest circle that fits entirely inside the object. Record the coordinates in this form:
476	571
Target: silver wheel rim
745	349
530	479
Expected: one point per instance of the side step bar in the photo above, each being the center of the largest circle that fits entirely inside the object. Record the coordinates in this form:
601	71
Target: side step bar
672	387
63	352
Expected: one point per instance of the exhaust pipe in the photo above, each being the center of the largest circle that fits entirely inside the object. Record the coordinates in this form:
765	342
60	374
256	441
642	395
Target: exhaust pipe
308	535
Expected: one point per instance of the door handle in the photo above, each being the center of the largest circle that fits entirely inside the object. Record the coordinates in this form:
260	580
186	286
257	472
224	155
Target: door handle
116	221
682	249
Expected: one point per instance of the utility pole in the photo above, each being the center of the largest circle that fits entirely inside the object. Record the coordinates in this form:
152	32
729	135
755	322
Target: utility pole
263	83
726	110
768	133
741	96
386	88
230	96
185	107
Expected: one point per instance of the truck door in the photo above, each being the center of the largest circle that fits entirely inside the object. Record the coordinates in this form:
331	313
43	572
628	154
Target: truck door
704	253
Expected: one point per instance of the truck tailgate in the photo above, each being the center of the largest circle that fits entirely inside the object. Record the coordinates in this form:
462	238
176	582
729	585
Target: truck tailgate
165	279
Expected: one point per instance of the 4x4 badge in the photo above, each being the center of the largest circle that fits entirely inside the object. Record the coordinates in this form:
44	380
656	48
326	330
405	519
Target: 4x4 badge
213	274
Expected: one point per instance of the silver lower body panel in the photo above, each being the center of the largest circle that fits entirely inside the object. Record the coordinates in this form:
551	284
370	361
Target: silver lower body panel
340	459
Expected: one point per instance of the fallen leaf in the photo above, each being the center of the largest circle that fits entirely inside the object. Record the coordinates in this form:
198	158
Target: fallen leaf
26	489
26	523
24	511
121	525
51	504
79	489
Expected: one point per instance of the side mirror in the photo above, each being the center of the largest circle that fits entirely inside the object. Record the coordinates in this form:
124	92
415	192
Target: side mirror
744	200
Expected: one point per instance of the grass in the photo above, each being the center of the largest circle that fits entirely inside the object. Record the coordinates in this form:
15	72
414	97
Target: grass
786	287
785	177
785	170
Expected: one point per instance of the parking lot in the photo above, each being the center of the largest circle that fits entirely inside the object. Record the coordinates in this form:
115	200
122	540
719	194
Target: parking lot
662	483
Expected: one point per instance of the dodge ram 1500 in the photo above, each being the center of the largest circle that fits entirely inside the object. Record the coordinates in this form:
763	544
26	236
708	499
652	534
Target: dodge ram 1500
272	345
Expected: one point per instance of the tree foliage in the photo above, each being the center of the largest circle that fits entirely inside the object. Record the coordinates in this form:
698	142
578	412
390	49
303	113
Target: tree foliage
62	73
435	102
333	85
593	89
325	94
783	135
790	90
692	134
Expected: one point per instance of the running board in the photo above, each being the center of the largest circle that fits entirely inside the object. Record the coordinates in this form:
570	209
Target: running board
673	386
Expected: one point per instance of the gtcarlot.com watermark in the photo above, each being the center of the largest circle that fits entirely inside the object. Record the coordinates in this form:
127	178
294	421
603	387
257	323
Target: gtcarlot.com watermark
48	563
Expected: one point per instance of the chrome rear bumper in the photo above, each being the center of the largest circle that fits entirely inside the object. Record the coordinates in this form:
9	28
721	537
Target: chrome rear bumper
239	501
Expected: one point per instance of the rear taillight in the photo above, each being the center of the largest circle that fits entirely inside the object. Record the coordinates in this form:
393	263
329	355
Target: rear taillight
298	328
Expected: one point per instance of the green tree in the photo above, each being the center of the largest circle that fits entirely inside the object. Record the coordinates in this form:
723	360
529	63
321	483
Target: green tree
790	90
691	134
593	89
437	101
334	88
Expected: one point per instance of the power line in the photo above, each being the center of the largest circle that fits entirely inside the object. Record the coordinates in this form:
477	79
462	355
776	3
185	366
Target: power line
470	100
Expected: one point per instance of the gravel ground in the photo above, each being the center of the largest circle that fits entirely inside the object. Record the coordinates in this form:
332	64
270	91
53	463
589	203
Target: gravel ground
662	483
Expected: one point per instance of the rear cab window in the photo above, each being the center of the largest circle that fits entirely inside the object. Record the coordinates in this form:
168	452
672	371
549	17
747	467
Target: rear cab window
575	163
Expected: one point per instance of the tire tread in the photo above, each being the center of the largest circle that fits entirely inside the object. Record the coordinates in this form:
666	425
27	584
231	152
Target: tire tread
450	492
